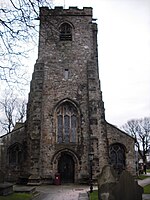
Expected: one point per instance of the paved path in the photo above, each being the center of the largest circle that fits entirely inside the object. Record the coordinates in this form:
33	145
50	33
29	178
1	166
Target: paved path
62	192
73	192
143	183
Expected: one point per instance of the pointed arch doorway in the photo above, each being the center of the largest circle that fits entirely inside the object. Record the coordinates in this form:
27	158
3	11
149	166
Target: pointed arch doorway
66	168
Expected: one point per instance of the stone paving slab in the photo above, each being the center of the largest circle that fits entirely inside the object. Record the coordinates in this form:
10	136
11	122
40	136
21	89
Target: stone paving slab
26	189
62	192
144	182
83	196
146	196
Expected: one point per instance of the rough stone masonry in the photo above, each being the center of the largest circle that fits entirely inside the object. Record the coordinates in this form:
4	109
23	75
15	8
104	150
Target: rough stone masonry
65	112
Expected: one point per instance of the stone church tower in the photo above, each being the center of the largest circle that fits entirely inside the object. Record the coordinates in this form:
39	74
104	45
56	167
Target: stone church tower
65	113
66	119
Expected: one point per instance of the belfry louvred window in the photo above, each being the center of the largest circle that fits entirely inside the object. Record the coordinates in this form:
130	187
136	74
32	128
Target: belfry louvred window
65	32
66	123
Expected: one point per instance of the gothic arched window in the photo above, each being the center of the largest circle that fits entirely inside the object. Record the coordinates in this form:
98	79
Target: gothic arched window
67	123
15	153
117	156
65	32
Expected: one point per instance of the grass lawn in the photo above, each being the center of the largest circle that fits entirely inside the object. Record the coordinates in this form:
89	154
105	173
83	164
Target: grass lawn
147	189
17	196
94	195
142	176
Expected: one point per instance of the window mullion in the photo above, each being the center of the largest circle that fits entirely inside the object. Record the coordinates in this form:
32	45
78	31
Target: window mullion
17	159
70	132
63	124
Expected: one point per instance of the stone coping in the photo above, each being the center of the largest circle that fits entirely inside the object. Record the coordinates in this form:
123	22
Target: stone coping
5	185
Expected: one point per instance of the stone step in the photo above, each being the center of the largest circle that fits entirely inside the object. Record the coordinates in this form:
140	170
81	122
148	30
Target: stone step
6	189
25	189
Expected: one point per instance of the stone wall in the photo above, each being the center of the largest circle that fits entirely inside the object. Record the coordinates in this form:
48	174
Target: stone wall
17	137
49	88
115	135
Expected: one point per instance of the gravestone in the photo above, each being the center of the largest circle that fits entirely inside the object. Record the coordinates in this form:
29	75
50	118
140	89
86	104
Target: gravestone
127	188
114	187
106	183
5	188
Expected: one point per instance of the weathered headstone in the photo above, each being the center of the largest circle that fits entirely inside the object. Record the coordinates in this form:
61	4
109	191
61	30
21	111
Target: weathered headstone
5	188
113	187
127	188
106	183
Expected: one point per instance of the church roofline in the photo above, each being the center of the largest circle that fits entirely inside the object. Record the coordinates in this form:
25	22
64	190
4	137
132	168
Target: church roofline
120	130
14	130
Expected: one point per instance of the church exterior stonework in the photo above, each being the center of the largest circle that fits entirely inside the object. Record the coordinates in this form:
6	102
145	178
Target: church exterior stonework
65	113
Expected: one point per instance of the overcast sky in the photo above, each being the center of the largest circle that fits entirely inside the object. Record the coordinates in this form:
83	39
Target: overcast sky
124	55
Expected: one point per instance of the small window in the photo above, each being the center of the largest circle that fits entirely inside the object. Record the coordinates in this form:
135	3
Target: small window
66	74
65	32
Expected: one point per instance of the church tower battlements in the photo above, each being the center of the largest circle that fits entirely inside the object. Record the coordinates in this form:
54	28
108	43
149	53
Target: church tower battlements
66	117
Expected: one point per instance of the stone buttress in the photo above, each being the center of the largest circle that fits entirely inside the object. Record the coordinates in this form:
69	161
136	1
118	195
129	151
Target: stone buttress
66	117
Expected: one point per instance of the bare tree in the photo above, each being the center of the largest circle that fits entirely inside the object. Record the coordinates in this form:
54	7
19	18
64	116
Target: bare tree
140	130
21	111
18	31
13	110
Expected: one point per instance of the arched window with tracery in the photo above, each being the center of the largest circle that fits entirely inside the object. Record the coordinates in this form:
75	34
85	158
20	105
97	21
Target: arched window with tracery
65	32
117	156
66	123
15	154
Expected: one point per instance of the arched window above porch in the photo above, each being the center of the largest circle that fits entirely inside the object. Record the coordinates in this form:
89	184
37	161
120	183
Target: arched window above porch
66	123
